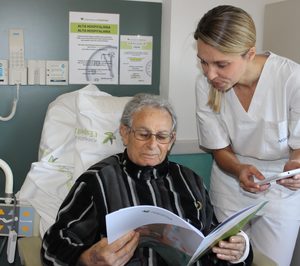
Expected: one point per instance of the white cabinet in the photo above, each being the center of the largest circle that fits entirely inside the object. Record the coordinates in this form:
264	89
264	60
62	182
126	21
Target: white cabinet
282	36
282	29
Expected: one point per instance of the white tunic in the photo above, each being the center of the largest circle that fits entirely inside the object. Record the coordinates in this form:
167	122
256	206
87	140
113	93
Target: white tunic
263	136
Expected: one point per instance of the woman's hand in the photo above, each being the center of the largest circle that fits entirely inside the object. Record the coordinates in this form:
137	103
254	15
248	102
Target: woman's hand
246	177
117	253
293	182
231	250
227	160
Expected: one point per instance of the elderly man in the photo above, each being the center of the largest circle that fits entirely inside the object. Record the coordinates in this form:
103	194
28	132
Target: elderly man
141	175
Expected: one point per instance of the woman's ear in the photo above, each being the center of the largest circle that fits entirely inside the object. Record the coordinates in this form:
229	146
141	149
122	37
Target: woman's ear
251	53
124	132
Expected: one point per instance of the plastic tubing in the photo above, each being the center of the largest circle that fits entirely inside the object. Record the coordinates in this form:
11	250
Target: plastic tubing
13	108
8	181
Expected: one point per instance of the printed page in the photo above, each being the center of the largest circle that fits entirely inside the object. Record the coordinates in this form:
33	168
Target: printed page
229	227
172	237
177	241
127	219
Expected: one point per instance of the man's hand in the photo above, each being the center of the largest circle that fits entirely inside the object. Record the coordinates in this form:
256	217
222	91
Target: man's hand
117	253
231	250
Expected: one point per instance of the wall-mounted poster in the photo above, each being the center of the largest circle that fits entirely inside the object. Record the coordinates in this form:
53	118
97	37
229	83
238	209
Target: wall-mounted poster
136	59
93	48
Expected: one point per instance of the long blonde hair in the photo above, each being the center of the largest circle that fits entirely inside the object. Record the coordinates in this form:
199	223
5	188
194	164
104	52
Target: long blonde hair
230	30
214	99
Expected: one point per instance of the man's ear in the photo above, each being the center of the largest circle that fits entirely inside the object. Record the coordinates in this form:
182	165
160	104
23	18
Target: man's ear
172	141
124	132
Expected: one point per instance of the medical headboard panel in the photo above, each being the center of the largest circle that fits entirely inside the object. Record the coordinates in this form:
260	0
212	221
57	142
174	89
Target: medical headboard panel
46	27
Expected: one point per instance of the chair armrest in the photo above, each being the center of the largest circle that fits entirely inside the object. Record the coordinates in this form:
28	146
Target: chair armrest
260	259
29	250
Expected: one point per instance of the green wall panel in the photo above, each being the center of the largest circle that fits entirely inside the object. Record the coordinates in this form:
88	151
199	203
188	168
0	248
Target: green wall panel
46	25
201	164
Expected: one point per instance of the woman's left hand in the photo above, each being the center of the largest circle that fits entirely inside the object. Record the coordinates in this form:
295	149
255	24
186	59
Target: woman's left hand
231	250
292	183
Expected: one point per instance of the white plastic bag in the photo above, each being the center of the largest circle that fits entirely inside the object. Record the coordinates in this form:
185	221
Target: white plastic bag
80	128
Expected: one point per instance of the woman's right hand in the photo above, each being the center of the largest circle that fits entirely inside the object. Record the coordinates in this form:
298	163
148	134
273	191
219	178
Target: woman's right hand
246	178
227	160
117	253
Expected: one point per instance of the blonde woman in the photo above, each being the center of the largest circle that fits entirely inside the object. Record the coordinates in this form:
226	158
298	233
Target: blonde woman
248	116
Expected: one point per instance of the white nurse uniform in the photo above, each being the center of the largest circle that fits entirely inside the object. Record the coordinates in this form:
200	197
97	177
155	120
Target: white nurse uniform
263	136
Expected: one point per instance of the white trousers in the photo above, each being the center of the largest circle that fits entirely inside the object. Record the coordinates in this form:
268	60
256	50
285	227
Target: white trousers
275	238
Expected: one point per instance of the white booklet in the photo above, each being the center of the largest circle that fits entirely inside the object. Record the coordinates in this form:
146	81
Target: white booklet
177	241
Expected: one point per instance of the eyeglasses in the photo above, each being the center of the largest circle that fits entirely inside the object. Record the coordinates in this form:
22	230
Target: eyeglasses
144	135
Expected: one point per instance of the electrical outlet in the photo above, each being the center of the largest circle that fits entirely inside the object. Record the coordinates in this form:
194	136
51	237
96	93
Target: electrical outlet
57	72
4	72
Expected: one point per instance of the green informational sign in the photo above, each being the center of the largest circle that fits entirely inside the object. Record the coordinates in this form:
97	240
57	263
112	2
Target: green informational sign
94	28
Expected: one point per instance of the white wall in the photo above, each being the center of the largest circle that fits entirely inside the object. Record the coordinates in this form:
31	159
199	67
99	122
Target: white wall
179	63
282	35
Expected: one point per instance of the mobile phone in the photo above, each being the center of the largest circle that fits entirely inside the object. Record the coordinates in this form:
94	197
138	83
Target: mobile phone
279	176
